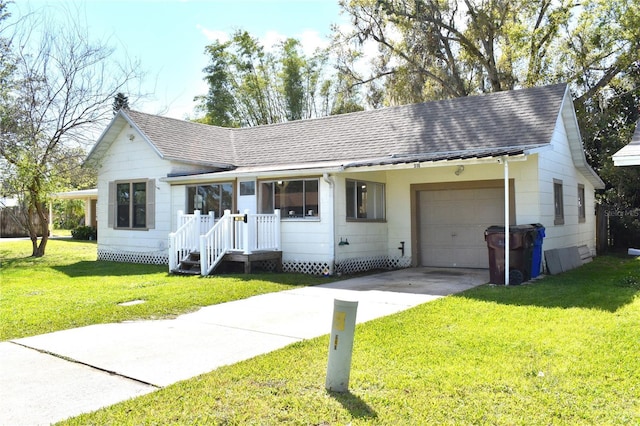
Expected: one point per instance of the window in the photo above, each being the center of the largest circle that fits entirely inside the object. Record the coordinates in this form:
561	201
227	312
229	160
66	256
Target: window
248	188
294	198
365	200
582	214
558	201
214	198
131	204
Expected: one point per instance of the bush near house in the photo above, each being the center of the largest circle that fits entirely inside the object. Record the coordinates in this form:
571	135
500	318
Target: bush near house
85	233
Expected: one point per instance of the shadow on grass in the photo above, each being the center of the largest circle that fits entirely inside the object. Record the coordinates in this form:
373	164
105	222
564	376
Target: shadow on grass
607	284
356	406
98	268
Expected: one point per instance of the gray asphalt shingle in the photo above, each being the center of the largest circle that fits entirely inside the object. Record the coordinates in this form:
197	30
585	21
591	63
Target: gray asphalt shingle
498	122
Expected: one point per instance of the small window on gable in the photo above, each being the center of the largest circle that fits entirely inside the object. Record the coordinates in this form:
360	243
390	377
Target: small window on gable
582	214
365	200
558	202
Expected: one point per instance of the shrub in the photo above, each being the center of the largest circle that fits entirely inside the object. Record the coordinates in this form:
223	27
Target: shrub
84	233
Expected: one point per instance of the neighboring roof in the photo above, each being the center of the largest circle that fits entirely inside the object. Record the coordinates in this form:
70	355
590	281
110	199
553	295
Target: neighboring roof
496	124
630	154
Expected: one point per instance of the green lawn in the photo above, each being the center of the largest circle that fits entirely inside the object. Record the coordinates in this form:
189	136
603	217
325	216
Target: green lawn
68	288
561	351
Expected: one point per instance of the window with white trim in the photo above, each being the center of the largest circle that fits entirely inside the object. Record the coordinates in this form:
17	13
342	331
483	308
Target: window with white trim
295	198
215	197
365	200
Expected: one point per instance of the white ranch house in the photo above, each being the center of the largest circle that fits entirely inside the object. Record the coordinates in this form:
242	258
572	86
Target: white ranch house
413	185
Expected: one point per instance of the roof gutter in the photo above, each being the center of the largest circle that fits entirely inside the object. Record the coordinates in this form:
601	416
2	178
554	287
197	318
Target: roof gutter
233	174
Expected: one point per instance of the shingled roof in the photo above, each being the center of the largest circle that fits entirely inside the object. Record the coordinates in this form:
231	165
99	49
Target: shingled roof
629	155
503	123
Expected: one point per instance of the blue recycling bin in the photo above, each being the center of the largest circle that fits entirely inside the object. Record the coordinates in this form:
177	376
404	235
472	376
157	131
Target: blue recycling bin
536	255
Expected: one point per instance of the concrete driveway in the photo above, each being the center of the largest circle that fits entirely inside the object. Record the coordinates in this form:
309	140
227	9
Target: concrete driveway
54	376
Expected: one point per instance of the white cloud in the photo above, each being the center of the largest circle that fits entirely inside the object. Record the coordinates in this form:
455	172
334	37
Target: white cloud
271	39
312	40
213	35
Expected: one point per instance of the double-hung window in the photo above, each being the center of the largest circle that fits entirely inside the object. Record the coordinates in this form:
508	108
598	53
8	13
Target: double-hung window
216	197
365	200
131	204
558	202
294	198
582	213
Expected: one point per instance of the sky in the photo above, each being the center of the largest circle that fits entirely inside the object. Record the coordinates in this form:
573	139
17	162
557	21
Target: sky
168	37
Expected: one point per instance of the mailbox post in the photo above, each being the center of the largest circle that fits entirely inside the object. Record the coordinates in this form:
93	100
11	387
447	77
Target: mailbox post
341	345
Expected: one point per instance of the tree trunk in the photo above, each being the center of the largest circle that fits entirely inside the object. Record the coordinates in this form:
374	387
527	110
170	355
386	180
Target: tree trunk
39	250
33	231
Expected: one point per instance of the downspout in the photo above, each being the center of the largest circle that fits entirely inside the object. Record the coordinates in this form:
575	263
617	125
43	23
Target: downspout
331	182
505	162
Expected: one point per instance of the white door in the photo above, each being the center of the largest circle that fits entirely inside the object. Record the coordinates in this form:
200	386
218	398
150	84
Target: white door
452	225
247	196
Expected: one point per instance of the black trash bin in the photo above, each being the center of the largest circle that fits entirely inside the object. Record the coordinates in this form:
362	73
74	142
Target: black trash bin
536	255
520	253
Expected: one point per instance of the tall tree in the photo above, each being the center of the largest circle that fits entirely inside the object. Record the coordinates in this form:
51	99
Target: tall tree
250	85
434	49
58	91
120	101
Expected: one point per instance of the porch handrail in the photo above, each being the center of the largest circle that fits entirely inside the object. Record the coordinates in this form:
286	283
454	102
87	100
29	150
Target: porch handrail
186	238
244	233
236	232
215	244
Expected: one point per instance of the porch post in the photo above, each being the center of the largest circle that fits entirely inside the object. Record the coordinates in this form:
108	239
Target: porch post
88	212
277	230
228	230
506	220
195	244
249	234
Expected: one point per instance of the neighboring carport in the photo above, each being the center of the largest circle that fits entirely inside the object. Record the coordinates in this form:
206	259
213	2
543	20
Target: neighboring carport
630	154
90	198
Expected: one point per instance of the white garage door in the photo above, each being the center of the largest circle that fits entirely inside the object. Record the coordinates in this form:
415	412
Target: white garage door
452	225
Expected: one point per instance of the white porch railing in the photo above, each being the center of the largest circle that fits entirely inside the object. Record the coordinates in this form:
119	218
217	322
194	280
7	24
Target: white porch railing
186	239
243	233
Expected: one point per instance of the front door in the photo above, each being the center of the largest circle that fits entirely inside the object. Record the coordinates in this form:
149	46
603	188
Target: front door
247	196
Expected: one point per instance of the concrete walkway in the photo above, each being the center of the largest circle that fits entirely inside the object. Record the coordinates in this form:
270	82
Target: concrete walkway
51	377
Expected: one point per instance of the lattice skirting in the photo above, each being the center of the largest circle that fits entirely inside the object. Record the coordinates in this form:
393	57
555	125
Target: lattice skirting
347	266
154	258
305	267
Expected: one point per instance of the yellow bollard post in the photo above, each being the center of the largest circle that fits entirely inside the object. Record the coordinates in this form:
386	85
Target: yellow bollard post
341	345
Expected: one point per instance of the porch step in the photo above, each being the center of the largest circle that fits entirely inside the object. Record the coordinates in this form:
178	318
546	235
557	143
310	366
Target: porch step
190	265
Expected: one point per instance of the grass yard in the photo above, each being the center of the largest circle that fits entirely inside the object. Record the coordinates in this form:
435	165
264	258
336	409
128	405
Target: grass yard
68	288
561	351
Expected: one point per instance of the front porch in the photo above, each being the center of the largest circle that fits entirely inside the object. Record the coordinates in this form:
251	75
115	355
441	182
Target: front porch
202	243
